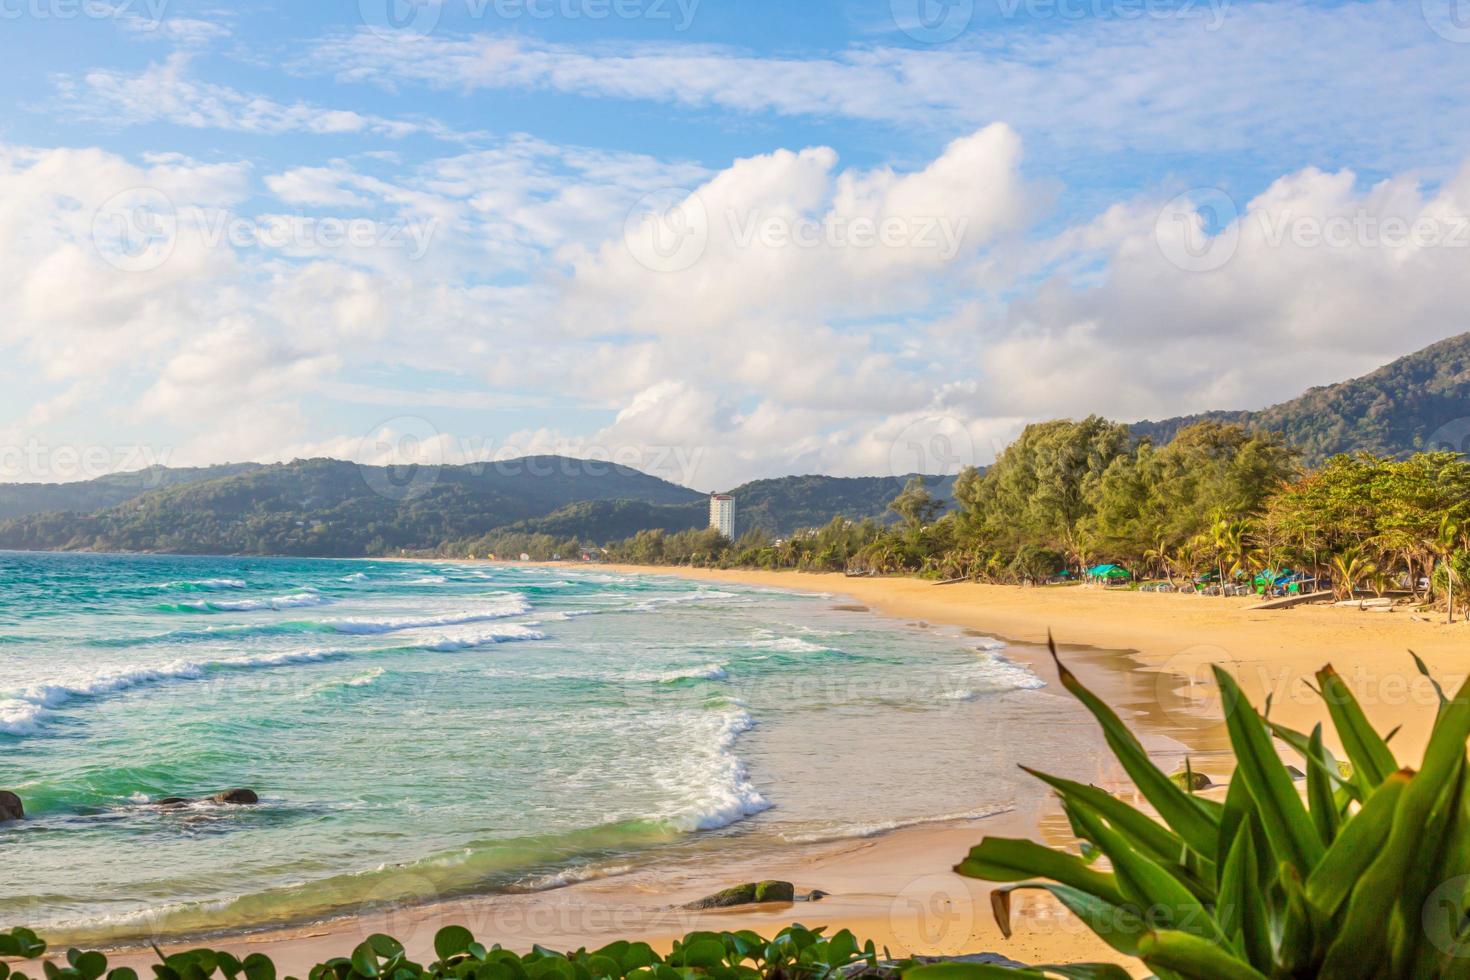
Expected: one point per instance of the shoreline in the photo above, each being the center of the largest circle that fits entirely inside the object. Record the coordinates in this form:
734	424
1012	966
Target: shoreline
1142	652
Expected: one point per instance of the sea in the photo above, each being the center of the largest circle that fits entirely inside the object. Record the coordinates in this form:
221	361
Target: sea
417	730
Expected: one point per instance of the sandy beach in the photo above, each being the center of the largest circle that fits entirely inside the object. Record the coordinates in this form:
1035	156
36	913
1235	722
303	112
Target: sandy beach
1147	654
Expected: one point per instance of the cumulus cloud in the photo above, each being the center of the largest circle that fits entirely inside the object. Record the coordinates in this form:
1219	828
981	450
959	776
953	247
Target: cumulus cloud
809	330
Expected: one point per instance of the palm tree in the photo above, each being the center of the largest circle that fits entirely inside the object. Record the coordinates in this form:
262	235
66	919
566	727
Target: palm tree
1444	547
1349	567
1160	555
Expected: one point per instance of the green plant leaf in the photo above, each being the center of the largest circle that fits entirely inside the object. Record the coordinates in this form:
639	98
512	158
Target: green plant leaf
1356	847
1366	749
1193	958
1189	816
1362	944
1241	909
451	941
1009	859
1283	816
1320	797
1142	881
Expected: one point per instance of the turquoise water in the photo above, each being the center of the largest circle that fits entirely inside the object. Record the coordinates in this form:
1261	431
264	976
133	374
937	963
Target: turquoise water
483	727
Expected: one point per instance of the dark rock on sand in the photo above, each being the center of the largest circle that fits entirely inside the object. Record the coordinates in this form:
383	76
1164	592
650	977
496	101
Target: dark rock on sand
1192	780
850	608
815	895
241	797
889	970
750	893
10	807
174	802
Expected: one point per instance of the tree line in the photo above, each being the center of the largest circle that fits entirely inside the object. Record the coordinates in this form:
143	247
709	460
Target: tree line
1217	502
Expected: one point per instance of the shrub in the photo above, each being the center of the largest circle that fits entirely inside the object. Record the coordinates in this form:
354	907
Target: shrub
1366	878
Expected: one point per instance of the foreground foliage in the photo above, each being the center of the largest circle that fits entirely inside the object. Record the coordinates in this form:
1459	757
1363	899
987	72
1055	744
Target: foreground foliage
795	952
1366	878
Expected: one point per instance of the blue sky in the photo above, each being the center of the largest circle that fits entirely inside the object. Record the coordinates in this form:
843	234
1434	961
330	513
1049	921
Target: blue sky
267	230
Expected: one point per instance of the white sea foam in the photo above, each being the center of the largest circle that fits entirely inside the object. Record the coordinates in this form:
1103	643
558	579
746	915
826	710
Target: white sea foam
355	577
788	644
707	672
509	605
571	876
726	793
859	830
990	643
678	598
23	711
293	601
430	580
208	584
508	633
994	672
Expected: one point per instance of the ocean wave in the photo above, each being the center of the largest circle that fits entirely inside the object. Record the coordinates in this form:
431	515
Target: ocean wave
707	672
787	644
23	711
355	577
996	673
727	794
512	605
679	598
990	643
568	876
204	585
429	580
508	633
862	830
295	600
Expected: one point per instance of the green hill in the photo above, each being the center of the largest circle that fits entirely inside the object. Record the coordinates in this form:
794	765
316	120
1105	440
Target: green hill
327	507
21	499
1421	401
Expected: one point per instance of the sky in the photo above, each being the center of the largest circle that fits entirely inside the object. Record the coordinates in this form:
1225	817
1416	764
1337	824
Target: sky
716	240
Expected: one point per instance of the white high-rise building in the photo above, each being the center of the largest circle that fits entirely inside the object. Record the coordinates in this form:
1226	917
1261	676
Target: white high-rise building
722	514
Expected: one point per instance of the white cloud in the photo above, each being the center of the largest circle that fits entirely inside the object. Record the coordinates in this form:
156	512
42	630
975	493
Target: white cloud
759	357
1265	79
166	92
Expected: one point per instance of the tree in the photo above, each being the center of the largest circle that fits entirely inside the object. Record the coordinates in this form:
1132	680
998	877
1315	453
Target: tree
916	505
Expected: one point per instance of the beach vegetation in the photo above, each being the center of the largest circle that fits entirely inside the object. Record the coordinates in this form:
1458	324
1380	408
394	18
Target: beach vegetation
1363	874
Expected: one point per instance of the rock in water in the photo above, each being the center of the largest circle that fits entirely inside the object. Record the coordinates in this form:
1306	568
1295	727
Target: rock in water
747	894
10	807
243	797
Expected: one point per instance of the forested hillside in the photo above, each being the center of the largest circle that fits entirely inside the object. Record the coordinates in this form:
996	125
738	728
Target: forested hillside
1419	402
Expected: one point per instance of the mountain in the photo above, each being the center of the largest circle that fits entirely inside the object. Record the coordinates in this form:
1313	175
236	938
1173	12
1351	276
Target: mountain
326	507
782	505
1419	402
776	506
21	499
331	508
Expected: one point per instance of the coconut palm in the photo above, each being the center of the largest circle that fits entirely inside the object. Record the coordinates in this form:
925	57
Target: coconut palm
1350	567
